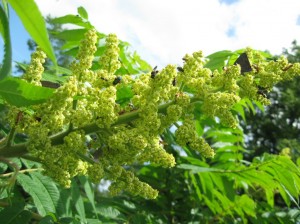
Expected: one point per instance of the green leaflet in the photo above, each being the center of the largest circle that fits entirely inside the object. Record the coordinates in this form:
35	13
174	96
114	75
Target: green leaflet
276	173
43	192
73	19
108	212
19	93
82	12
17	162
71	35
15	214
218	59
196	185
246	104
29	164
88	190
131	63
47	76
34	23
124	94
3	167
47	185
48	220
224	202
77	200
64	208
247	205
286	176
7	60
112	209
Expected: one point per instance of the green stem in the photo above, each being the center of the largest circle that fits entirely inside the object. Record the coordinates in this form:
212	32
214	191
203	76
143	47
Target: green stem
20	149
241	170
85	158
21	171
13	166
74	108
11	137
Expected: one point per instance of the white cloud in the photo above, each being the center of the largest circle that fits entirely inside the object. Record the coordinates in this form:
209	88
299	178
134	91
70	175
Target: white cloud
163	31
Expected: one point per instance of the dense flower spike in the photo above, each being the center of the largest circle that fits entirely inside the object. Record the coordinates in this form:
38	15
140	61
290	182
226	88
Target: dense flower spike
186	135
35	69
219	104
109	61
82	130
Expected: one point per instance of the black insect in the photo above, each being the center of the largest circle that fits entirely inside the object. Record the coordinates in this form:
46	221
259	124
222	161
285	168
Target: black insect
256	67
225	69
262	91
180	69
38	119
154	72
287	67
117	80
53	85
174	82
244	62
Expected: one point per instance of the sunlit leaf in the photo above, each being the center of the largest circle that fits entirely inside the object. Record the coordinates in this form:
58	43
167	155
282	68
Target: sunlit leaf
77	200
34	23
40	193
82	12
19	93
124	94
87	186
218	59
71	35
5	69
73	19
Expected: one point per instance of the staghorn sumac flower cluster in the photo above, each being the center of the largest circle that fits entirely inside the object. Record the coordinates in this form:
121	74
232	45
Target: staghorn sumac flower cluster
82	130
35	69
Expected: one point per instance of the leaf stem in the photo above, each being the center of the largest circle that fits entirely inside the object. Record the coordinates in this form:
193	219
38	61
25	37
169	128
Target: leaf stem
14	174
21	171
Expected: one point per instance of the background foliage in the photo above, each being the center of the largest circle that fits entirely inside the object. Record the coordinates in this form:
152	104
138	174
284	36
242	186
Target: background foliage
251	179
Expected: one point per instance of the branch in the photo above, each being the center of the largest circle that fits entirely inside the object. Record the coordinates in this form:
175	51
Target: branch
20	150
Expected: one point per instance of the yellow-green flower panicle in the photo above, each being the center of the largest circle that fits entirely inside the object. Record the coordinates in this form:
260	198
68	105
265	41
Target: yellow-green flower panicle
105	112
85	55
35	69
95	172
186	135
291	71
39	142
128	182
219	104
193	75
227	80
109	61
155	153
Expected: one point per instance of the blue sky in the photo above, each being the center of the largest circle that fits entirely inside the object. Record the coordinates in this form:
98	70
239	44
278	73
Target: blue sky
163	31
19	38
